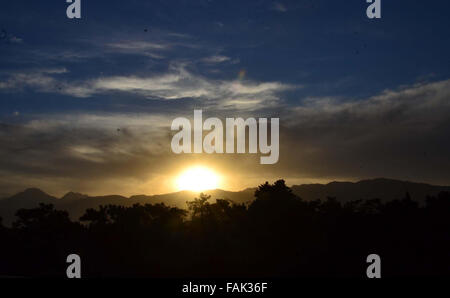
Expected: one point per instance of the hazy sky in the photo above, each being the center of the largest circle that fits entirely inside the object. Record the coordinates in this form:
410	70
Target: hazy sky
86	105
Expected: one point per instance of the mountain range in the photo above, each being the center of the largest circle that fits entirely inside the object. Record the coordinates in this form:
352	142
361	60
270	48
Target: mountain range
77	203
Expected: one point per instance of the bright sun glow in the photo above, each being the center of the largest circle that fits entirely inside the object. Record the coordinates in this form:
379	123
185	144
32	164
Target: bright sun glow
197	179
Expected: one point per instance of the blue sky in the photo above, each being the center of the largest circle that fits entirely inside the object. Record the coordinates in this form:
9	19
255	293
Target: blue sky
131	64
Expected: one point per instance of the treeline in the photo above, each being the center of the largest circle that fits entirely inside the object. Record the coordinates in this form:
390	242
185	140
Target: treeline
277	235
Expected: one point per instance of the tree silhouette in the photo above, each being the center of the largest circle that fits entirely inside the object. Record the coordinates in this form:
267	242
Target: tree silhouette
276	235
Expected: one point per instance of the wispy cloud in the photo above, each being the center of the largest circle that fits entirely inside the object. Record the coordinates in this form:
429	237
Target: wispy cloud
216	59
137	46
178	83
40	79
411	103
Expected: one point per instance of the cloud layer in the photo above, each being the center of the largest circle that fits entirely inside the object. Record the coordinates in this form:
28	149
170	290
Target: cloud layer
398	133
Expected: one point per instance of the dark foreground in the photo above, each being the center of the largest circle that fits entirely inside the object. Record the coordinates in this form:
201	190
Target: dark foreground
277	235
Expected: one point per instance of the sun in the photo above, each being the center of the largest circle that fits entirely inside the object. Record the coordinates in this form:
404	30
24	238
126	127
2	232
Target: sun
197	179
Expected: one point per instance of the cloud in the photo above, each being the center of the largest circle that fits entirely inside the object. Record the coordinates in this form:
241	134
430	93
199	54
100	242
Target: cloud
183	84
411	104
216	59
150	49
78	149
137	46
399	133
102	153
178	83
40	79
104	49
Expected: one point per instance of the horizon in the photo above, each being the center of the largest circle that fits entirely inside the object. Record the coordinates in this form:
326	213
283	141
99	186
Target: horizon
205	191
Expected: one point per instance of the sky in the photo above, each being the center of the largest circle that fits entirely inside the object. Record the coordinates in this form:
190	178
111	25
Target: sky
86	104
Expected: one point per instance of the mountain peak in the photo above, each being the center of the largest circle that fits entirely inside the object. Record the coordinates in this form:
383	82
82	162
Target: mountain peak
32	191
73	196
31	195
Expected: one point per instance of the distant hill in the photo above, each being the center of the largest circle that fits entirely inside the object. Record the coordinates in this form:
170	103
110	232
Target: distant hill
76	203
28	198
380	188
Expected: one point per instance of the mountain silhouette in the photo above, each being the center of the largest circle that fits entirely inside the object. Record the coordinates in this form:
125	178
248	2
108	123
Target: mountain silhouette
77	203
30	197
380	188
70	196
